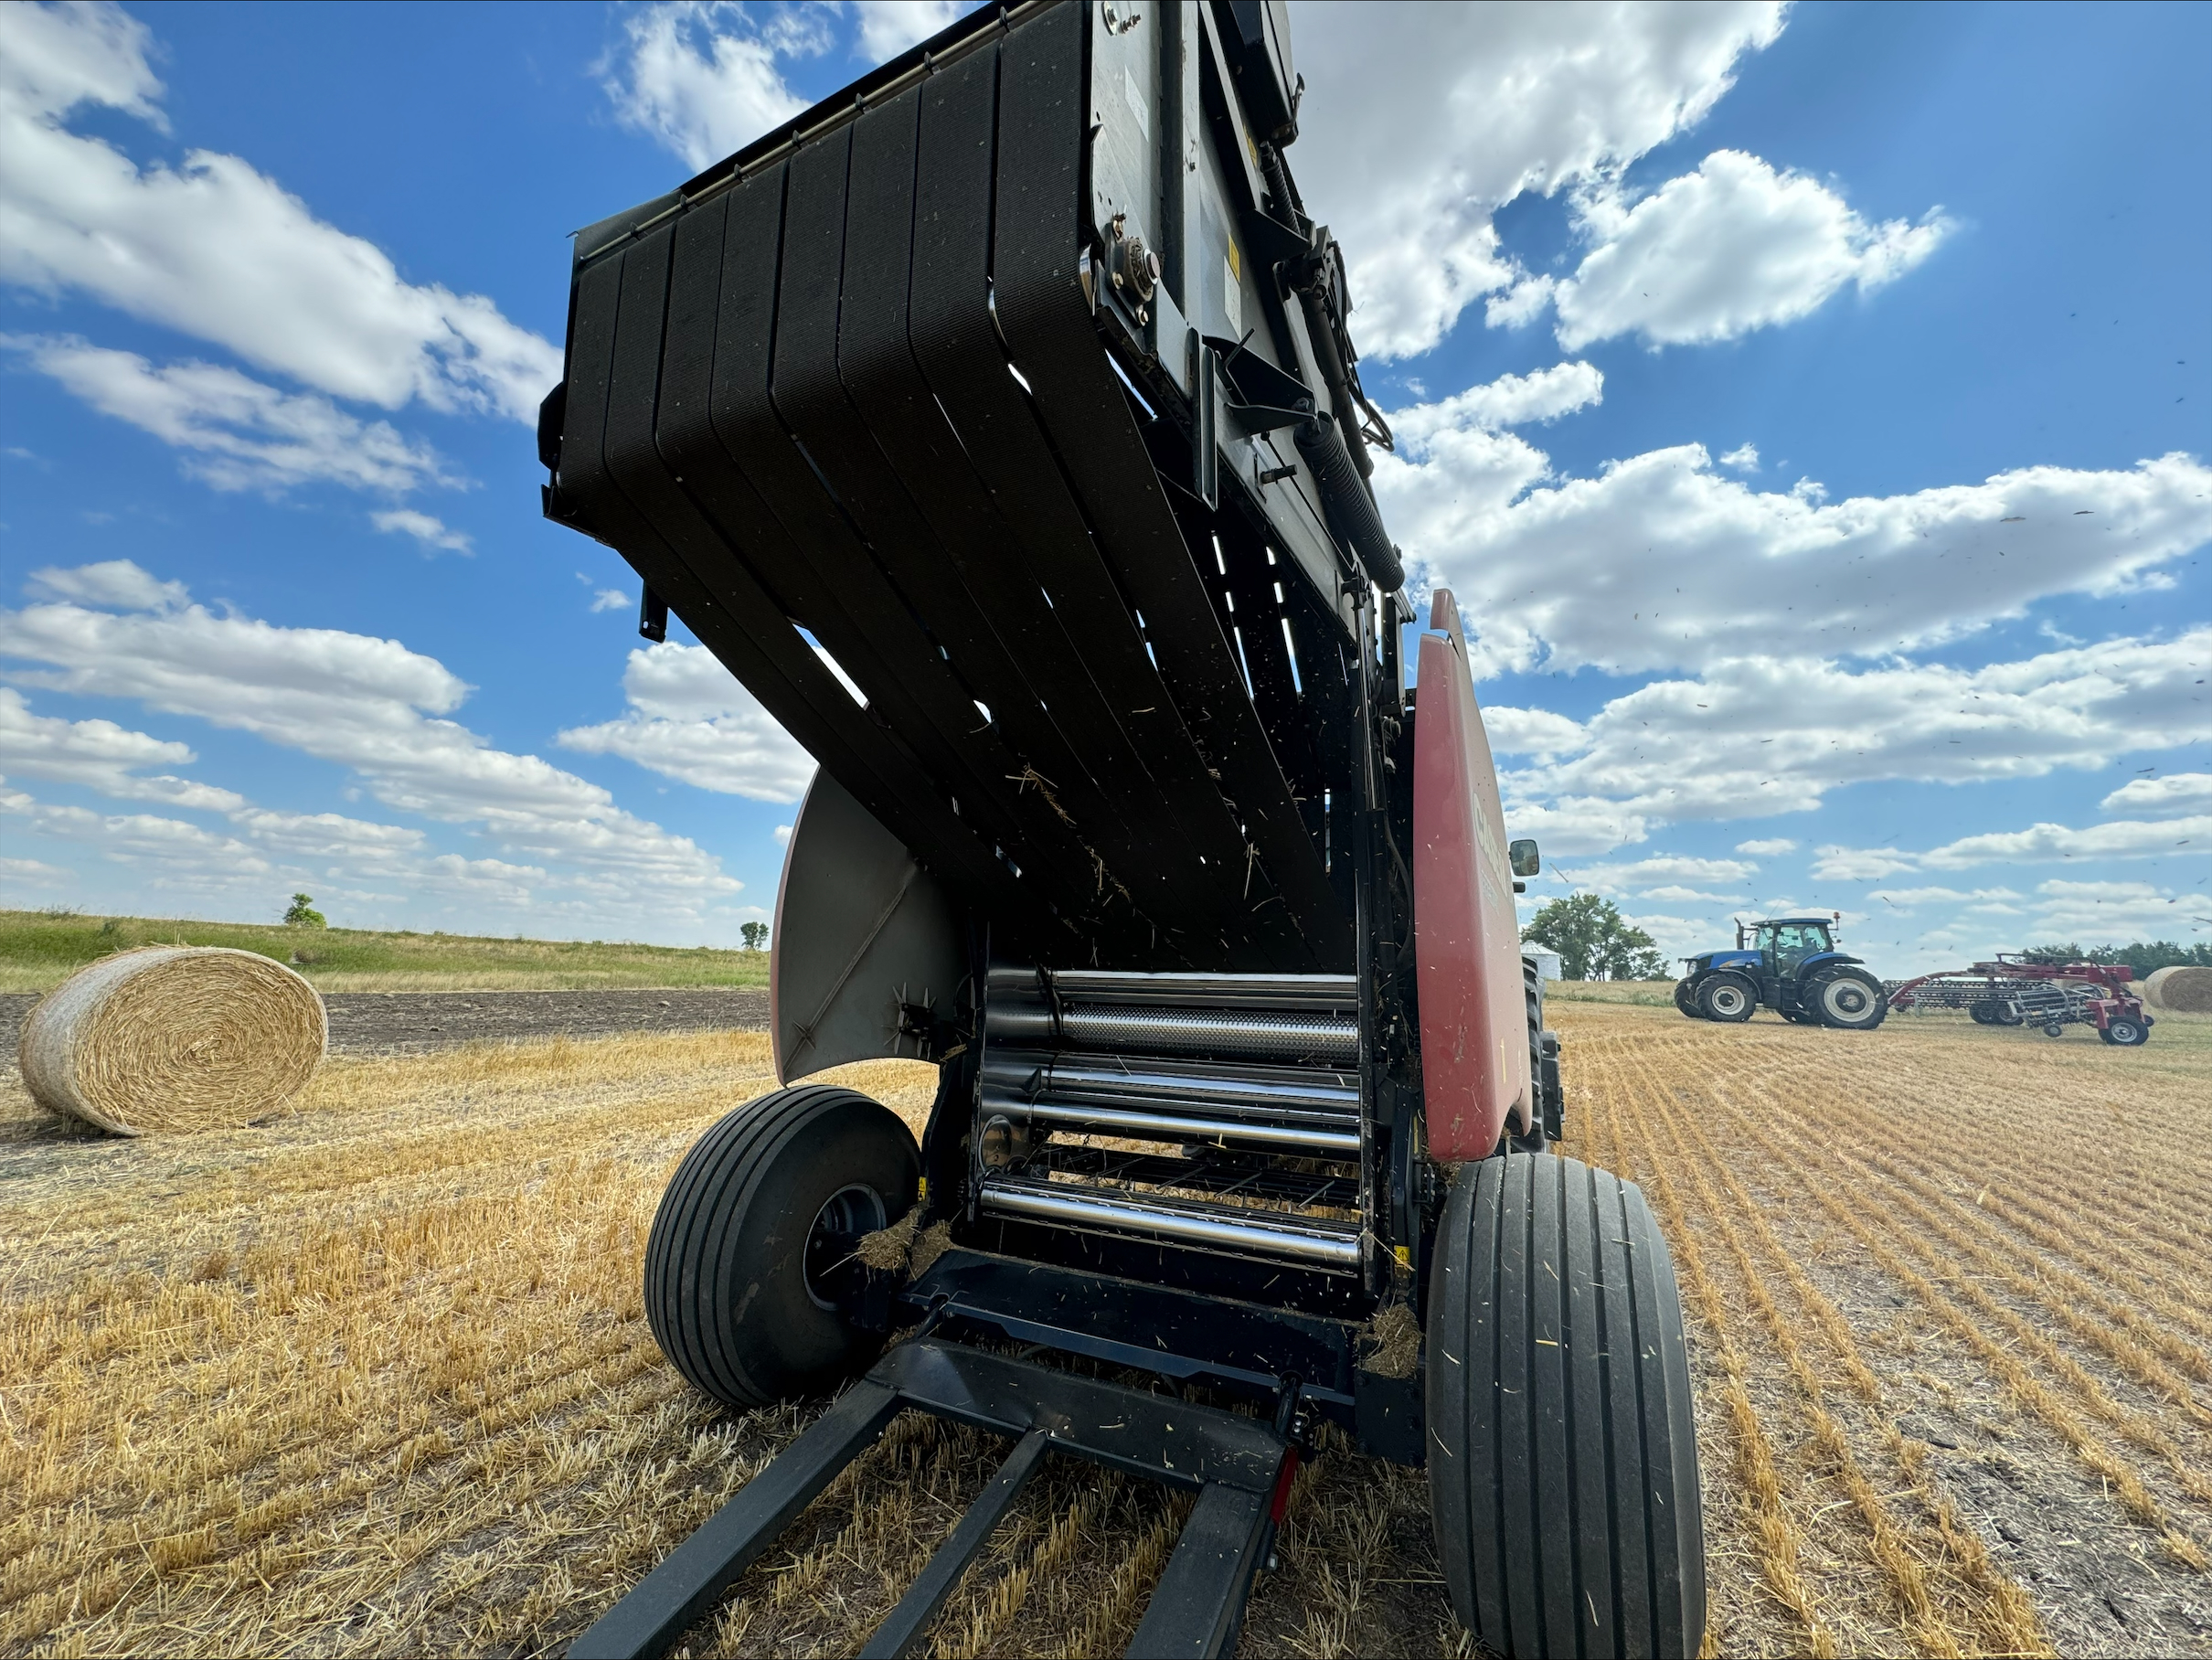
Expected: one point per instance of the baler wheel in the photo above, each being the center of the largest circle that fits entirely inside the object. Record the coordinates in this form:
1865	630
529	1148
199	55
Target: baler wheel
2126	1031
1685	998
1563	1466
748	1265
1727	998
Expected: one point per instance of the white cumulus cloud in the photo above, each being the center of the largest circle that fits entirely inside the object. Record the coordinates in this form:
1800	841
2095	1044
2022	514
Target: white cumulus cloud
1716	253
2039	844
690	720
889	26
1659	562
432	533
372	706
98	755
1419	121
111	584
216	250
706	80
2176	793
238	432
1510	400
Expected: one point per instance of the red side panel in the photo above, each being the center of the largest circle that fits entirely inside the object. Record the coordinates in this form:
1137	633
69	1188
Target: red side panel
1466	938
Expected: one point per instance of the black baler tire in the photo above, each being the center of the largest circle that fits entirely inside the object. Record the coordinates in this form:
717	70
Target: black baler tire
1685	998
1713	983
725	1277
1562	1453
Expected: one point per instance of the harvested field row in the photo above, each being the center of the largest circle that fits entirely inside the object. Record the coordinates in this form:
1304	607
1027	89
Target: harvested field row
374	1376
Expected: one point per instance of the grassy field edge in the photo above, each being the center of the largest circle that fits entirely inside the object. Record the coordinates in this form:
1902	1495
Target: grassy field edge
38	950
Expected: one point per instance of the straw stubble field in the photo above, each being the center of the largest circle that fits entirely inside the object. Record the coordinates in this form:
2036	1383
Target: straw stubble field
375	1377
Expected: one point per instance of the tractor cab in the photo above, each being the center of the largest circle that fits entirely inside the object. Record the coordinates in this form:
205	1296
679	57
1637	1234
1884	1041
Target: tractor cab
1784	946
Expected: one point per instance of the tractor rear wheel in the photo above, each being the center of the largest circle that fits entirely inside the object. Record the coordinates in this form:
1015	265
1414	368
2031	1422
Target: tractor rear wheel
2126	1031
1727	998
1563	1474
1987	1012
749	1265
1685	998
1847	998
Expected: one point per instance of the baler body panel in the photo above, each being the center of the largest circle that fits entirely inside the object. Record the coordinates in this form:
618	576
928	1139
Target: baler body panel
1467	948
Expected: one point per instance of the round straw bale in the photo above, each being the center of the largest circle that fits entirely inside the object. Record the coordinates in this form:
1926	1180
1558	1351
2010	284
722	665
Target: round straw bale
173	1038
2182	990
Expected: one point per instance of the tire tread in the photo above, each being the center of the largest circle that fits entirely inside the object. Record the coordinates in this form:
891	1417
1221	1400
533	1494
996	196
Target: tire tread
1563	1468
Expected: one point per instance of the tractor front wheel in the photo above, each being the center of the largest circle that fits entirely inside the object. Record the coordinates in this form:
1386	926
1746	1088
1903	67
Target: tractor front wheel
1563	1461
1729	998
1685	998
1849	999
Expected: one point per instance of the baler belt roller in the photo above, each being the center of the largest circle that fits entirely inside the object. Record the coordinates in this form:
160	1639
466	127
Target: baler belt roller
1330	1244
1101	1028
1263	1065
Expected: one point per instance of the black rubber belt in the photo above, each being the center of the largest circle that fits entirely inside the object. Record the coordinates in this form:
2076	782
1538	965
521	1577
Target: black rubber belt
1057	585
964	572
852	510
771	661
1052	337
821	572
1243	588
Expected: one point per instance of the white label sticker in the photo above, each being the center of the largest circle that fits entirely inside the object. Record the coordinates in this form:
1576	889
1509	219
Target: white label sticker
1232	300
1136	101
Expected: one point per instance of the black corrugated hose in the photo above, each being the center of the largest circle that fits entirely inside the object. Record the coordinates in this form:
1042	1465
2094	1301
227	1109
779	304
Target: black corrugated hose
1352	516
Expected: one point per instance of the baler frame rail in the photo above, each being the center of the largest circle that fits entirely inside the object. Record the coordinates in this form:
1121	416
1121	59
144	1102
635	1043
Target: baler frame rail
1241	1467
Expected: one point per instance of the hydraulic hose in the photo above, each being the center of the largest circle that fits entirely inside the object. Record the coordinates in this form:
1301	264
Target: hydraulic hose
1348	505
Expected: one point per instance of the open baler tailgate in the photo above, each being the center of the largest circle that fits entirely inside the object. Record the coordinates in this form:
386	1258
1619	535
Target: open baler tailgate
861	381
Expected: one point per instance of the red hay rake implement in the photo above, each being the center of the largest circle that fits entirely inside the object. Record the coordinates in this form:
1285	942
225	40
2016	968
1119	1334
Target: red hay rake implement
2015	991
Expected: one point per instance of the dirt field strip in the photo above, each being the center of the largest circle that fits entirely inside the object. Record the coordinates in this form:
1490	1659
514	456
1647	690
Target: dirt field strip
2006	1616
2133	1426
1773	1528
2093	1450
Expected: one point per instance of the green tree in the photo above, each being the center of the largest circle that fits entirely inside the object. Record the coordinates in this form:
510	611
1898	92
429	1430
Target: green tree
755	935
303	913
1594	940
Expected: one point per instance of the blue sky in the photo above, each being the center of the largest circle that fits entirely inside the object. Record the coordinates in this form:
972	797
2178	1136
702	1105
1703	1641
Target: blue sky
1808	407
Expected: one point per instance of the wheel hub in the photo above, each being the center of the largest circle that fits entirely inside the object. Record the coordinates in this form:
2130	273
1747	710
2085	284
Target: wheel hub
834	1275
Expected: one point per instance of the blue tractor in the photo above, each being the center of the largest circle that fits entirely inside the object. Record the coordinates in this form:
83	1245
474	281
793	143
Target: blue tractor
1791	965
